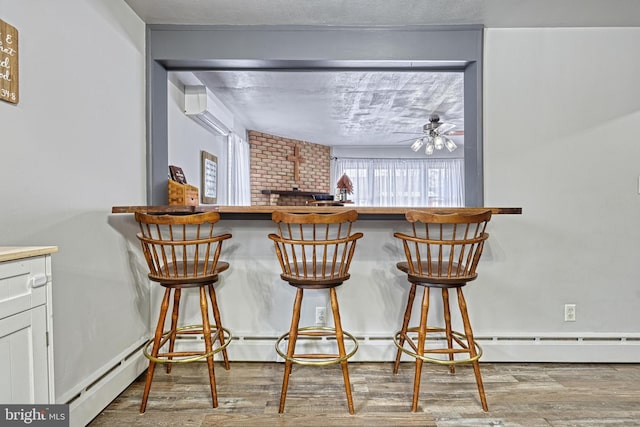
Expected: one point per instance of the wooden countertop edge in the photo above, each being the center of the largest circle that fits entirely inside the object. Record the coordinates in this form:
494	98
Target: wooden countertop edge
364	210
10	253
165	209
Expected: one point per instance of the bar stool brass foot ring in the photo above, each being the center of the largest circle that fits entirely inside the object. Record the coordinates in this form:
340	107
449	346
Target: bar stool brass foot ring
317	331
177	358
396	341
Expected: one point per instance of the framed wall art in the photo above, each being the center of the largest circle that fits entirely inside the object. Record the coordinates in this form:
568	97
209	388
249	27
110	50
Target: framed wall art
209	183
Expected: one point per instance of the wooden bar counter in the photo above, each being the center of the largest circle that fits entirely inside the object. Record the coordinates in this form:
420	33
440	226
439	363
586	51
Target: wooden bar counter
253	212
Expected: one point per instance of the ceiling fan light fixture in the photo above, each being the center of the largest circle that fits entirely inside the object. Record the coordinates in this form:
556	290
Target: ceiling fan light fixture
451	146
430	148
438	142
436	136
417	145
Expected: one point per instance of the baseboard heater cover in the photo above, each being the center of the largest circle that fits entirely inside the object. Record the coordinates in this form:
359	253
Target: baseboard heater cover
562	348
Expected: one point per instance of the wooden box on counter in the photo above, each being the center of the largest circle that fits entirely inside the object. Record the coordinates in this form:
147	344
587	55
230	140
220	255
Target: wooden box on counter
182	194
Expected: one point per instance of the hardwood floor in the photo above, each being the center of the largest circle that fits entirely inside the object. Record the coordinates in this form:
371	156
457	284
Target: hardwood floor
518	394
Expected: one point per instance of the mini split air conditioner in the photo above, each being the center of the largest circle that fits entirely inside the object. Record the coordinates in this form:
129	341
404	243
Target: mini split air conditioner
198	105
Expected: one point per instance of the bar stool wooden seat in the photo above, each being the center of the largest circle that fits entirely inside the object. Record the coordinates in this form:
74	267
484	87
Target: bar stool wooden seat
315	252
182	252
442	253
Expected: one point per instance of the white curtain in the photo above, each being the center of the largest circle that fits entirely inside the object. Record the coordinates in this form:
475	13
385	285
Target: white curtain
239	190
403	182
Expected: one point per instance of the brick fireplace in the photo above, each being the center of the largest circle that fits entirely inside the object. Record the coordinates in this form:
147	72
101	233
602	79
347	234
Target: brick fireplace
273	167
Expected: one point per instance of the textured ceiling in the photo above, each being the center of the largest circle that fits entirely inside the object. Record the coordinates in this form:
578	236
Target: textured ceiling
490	13
339	108
351	108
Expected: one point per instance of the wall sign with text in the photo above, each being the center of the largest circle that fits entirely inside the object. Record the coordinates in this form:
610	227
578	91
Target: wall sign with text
9	90
209	178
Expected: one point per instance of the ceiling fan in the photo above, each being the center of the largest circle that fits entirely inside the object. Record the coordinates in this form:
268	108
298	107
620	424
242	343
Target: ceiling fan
436	136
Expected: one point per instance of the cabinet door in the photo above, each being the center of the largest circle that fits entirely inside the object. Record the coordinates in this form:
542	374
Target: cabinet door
23	361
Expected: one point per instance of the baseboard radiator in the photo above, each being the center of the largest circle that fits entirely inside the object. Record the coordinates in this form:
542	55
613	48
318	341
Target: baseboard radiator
94	394
561	348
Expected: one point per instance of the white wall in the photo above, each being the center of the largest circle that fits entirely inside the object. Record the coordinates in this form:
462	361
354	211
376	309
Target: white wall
71	149
561	116
187	139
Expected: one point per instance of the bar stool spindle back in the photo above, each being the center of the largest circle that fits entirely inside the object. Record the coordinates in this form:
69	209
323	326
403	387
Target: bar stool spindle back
182	251
315	252
442	253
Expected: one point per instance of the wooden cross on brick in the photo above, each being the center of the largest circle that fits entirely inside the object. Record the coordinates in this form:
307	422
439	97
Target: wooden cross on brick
296	159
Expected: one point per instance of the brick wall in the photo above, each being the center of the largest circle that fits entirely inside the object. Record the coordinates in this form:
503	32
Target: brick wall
270	169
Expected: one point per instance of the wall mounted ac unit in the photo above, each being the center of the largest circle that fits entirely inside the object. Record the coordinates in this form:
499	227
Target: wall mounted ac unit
201	106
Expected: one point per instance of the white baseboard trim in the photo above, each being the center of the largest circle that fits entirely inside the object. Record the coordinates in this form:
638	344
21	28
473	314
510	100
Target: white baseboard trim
561	348
87	400
588	348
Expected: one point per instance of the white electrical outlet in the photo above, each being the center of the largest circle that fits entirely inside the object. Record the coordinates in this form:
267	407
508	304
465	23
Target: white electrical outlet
569	312
321	315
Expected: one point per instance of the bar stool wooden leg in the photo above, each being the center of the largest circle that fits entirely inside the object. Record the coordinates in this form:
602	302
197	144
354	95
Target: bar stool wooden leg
206	331
341	349
405	325
174	326
291	347
472	348
216	316
164	307
422	335
447	326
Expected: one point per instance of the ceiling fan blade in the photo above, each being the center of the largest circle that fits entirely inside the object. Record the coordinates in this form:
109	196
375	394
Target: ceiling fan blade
406	140
445	127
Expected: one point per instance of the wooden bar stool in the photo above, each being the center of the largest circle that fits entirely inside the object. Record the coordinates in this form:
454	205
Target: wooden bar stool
442	253
315	251
182	252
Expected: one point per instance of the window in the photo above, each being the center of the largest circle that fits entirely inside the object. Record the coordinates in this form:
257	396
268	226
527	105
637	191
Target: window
403	182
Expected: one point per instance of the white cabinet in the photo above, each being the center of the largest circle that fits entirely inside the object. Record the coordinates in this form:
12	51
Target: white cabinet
26	350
